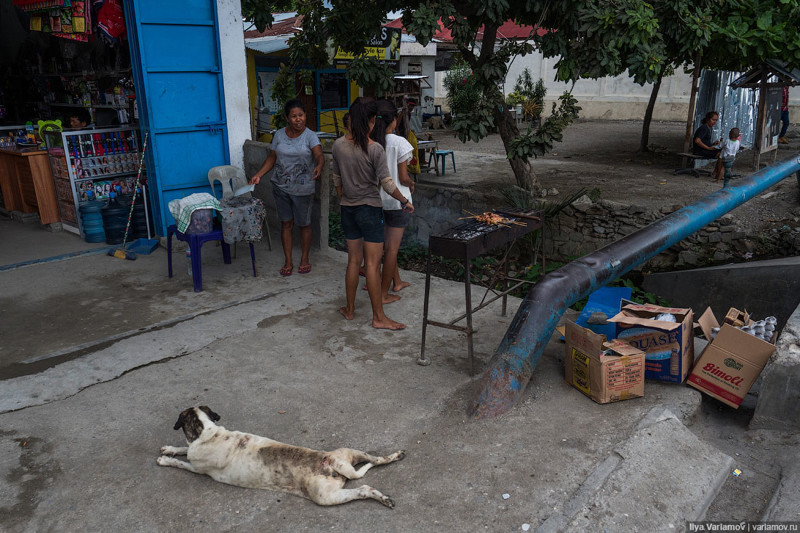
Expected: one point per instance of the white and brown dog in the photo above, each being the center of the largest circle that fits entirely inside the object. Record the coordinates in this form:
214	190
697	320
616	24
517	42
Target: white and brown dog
251	461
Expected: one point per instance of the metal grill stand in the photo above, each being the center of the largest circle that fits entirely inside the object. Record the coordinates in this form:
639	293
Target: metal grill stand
465	242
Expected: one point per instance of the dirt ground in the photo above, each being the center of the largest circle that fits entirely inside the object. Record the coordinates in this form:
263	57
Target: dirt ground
602	157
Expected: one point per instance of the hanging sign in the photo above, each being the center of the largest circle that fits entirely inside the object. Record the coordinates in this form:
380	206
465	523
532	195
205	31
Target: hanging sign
385	47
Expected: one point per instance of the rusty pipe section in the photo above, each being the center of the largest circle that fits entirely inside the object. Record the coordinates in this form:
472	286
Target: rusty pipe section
511	367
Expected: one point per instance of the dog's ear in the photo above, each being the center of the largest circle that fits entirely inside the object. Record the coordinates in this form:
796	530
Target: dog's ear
211	414
180	422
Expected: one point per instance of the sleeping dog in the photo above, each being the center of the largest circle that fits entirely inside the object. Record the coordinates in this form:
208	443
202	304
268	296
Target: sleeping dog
251	461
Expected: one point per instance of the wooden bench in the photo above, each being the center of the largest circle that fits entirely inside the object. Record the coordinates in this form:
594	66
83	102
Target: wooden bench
691	162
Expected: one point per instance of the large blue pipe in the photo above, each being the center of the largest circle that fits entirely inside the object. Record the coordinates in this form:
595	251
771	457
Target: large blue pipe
510	369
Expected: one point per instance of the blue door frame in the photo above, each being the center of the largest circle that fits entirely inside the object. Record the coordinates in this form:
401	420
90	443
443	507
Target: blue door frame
177	69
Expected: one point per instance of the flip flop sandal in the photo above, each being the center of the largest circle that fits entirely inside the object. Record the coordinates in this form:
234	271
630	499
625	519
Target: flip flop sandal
286	271
304	269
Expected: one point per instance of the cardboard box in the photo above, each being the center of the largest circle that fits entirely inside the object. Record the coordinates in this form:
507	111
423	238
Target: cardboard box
734	317
603	371
669	346
732	361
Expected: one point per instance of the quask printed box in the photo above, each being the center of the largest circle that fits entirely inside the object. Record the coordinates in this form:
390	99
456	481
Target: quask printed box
669	346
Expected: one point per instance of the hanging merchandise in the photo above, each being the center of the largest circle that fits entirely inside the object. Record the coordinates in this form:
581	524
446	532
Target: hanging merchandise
68	19
111	21
80	23
40	5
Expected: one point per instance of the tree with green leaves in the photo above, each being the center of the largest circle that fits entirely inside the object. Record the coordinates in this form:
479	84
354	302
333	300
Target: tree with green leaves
734	36
692	34
612	36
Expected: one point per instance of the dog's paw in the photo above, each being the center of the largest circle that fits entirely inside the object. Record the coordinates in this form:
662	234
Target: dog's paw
163	461
387	501
172	451
401	454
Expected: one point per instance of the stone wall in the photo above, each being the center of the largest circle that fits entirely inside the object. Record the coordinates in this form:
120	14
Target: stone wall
586	226
583	227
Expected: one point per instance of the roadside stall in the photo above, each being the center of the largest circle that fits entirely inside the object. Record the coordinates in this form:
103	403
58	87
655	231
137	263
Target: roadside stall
69	129
769	79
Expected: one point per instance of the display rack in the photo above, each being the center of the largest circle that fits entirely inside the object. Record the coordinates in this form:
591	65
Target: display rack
96	160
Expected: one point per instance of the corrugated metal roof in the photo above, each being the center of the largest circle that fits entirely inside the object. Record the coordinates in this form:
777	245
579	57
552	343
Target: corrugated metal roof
508	30
268	45
772	67
287	25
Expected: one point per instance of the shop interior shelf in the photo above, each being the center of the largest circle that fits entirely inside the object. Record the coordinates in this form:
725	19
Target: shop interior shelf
101	177
93	106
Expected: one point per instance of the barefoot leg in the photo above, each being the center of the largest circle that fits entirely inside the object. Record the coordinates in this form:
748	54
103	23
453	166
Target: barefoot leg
372	256
394	237
397	283
305	245
355	255
286	242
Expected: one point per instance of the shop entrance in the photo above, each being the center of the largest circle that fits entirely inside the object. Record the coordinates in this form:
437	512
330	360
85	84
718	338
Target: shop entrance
65	65
179	73
160	75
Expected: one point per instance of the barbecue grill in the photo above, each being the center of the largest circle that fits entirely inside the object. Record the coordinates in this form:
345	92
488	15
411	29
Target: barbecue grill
467	241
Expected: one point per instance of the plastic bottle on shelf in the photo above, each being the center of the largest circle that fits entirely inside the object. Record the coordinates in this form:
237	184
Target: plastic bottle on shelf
189	261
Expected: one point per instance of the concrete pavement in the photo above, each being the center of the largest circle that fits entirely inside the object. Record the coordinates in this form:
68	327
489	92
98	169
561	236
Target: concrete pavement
101	354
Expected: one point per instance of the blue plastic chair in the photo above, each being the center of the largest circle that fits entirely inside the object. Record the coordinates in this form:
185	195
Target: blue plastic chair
195	241
443	154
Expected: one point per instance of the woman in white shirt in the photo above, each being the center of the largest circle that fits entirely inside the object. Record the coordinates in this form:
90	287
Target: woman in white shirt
398	153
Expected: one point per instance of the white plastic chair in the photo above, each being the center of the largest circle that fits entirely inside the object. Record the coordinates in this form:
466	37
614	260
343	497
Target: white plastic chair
232	178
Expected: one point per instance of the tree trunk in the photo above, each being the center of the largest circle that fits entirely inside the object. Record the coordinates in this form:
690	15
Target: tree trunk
523	174
648	114
687	140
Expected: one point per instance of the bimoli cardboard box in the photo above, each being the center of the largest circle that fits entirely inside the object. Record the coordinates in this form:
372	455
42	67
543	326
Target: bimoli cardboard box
669	346
732	361
603	371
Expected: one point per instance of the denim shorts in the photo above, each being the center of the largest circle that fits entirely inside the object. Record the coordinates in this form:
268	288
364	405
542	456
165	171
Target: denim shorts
291	207
397	218
362	222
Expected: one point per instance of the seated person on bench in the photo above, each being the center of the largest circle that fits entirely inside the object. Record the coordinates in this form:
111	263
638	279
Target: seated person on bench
701	142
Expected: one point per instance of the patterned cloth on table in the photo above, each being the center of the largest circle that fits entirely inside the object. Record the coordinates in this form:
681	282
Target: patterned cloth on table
182	208
242	219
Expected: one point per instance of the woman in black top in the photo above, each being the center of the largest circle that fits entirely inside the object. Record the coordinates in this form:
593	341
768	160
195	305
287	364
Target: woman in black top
701	142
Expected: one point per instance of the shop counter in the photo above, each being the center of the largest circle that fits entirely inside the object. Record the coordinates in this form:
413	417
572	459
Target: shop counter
27	184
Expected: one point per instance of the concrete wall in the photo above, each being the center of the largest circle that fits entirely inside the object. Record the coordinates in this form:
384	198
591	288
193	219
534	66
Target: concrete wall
237	109
414	53
778	405
764	288
617	98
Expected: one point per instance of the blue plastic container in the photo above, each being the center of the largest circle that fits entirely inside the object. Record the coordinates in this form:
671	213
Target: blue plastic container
92	220
115	220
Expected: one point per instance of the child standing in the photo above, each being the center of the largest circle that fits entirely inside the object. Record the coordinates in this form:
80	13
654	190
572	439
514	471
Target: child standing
729	147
